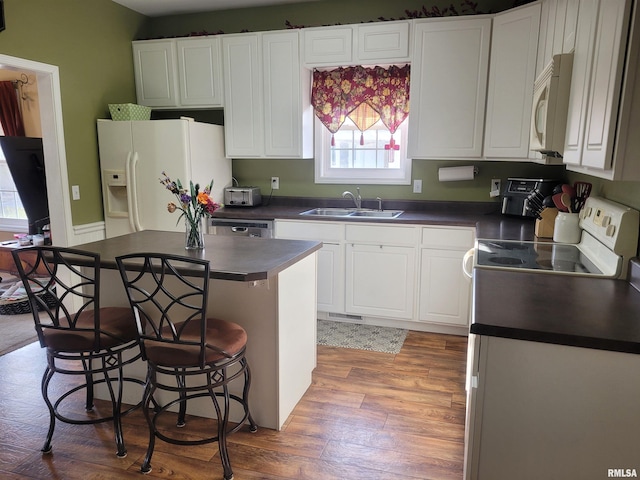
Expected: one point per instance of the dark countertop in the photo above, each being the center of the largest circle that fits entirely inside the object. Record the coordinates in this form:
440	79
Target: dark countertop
484	216
241	259
576	311
561	309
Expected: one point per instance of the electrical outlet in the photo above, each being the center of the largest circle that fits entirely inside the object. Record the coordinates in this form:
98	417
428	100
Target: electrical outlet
275	183
417	186
495	187
75	192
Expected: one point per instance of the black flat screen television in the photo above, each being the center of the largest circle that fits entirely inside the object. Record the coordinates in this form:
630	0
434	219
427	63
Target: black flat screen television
25	159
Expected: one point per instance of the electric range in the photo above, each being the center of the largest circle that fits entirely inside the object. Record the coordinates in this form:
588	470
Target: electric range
609	239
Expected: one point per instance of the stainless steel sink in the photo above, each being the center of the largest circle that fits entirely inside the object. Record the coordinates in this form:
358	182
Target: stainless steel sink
351	212
329	212
377	213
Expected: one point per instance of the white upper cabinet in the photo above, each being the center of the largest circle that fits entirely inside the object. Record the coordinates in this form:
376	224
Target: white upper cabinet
448	87
243	116
267	96
154	66
328	46
362	44
178	72
558	23
287	97
380	42
512	68
603	121
200	71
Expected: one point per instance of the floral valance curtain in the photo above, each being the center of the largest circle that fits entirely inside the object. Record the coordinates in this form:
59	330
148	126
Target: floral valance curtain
362	94
10	115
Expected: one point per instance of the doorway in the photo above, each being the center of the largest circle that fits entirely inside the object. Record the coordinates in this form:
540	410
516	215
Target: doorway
48	80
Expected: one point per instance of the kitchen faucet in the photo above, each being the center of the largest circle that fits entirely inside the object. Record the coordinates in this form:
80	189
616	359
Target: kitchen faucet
357	199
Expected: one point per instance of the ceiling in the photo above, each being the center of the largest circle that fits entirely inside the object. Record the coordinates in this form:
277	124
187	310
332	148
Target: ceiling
158	8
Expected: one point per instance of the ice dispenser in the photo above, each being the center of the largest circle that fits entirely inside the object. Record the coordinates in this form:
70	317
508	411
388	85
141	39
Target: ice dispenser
115	188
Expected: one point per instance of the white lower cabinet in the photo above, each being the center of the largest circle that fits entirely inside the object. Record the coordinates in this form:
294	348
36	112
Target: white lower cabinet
331	278
540	411
404	275
380	280
444	290
330	258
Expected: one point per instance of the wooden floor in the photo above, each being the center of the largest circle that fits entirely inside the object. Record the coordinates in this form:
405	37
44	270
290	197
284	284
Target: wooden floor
367	416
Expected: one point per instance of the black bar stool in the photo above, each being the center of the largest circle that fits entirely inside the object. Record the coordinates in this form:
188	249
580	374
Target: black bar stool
168	295
63	287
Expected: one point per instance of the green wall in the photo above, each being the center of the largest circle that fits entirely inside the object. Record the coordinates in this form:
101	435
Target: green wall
307	14
90	42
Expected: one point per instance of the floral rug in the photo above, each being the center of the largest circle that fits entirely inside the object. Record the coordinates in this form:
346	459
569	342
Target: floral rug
361	337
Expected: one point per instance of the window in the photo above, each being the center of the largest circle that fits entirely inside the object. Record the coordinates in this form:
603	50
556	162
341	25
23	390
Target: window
376	161
13	218
361	125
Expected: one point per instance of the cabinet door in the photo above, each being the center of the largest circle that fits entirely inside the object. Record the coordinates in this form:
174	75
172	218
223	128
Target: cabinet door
448	87
286	97
328	46
606	82
243	114
558	19
578	94
330	258
444	290
154	66
382	41
380	280
200	72
596	84
331	278
511	76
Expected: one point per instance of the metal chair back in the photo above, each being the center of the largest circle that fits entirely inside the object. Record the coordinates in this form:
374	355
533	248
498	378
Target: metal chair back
63	287
168	294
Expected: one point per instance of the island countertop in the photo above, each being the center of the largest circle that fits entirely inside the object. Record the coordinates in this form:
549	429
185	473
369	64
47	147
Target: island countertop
243	259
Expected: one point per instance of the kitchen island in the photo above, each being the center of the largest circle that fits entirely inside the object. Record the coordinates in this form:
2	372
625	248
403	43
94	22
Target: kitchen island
268	286
553	376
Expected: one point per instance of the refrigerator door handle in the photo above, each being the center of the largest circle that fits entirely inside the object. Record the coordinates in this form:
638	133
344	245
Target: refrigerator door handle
129	194
134	219
134	182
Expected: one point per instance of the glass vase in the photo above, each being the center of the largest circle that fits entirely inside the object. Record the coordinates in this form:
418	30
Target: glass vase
193	239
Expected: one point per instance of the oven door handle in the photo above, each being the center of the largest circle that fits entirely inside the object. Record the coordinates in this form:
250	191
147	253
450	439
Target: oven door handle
467	262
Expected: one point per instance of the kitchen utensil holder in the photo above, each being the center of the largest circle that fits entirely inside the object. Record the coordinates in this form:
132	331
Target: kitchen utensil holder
566	228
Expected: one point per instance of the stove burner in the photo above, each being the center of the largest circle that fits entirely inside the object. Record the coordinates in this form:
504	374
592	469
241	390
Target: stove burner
506	260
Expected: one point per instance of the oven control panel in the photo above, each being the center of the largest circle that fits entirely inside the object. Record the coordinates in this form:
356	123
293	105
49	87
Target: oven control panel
613	224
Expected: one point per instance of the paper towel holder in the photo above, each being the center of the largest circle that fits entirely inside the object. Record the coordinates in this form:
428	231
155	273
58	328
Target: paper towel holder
452	174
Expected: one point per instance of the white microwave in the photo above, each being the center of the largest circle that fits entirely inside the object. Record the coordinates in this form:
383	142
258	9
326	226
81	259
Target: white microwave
551	105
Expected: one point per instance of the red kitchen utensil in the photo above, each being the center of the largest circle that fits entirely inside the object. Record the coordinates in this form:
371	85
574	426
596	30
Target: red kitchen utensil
557	201
569	190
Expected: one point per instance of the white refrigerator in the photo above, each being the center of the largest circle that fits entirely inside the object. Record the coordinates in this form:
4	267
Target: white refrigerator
133	155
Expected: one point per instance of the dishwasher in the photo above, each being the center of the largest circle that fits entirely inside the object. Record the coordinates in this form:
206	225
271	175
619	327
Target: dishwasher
240	227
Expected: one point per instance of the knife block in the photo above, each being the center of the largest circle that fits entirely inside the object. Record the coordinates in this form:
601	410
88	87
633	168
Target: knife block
544	228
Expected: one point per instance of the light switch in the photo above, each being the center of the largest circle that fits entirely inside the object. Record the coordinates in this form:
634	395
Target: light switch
75	192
